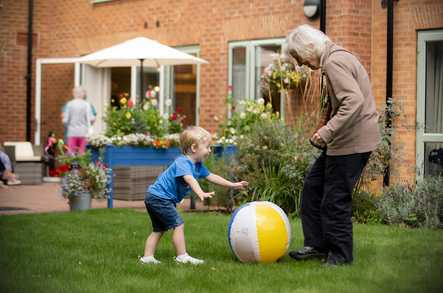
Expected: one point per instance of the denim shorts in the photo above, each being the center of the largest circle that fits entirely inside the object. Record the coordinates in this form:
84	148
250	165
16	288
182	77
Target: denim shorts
163	213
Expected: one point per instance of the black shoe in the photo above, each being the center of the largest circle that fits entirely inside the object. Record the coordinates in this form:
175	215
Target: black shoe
307	252
334	261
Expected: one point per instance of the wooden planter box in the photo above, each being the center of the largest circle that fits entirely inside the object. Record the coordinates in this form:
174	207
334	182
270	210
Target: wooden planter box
130	183
134	168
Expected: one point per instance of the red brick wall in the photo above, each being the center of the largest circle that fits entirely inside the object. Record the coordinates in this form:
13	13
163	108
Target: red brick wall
73	28
409	16
13	20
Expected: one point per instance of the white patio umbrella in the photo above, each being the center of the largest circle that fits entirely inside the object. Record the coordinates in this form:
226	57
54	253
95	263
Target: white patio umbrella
139	51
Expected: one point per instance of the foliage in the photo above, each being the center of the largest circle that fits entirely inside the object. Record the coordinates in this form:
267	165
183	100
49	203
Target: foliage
223	196
249	113
378	162
175	122
144	118
364	208
283	75
274	159
139	126
421	206
84	176
135	139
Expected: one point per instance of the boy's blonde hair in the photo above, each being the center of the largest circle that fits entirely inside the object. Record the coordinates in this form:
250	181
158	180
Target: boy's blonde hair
193	135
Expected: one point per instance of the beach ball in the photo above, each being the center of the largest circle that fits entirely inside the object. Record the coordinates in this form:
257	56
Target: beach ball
259	231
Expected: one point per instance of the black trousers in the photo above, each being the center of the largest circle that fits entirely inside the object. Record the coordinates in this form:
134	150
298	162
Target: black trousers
326	207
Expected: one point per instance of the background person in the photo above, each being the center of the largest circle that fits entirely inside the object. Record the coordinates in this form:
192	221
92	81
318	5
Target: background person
77	119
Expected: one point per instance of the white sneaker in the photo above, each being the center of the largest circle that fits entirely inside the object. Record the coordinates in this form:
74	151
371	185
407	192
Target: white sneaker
186	258
14	182
149	260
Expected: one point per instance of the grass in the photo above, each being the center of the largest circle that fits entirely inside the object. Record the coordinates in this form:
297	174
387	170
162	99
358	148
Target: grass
97	250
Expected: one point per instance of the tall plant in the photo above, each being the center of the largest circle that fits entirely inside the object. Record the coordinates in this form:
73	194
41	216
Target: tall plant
274	159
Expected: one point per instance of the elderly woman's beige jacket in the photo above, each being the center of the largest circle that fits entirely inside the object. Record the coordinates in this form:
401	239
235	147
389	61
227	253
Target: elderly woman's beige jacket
352	127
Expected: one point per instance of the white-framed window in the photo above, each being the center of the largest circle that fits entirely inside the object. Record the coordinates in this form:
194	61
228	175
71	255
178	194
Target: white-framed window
247	60
429	148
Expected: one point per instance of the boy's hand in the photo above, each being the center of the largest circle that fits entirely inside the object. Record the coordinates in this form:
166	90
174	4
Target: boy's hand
204	195
240	185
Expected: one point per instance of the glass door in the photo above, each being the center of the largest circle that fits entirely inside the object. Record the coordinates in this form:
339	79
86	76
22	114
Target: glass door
430	103
181	96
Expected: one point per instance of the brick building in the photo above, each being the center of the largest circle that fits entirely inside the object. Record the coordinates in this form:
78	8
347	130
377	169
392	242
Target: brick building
236	38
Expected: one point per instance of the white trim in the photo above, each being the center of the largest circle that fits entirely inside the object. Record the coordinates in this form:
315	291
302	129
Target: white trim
133	84
421	136
58	60
38	100
76	74
161	98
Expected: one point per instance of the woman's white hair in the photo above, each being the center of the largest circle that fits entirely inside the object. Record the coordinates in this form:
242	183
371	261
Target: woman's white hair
79	93
306	42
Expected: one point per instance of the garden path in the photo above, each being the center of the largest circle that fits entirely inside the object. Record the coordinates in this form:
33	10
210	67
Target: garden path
46	198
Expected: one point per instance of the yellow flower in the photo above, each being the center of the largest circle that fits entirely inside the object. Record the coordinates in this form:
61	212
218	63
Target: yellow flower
123	101
128	115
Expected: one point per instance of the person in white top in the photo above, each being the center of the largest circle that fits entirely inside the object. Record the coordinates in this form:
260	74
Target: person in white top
77	118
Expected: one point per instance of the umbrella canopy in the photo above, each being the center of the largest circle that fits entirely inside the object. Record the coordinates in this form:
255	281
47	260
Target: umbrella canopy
131	52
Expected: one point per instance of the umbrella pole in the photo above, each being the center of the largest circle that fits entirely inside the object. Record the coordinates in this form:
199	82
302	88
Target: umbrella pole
141	80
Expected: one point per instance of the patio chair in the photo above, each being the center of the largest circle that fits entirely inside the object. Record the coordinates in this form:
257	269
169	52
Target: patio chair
26	161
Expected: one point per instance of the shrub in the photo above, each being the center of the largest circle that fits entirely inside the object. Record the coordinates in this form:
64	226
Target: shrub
142	119
419	207
274	159
224	197
249	113
429	208
364	208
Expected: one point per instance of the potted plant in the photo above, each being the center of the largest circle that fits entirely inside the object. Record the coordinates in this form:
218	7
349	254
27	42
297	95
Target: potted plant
84	181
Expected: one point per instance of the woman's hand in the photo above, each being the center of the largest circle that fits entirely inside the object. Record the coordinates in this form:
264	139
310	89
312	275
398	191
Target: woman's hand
317	141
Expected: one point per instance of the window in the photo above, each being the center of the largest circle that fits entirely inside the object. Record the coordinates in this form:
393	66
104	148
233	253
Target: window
430	103
247	60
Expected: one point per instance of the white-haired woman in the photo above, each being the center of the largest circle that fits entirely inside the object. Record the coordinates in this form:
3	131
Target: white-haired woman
77	118
348	137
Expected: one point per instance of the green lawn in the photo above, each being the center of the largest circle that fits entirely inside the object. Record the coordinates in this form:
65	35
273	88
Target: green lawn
96	251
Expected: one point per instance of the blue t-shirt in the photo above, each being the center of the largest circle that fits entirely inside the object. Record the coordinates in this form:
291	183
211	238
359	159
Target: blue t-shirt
170	184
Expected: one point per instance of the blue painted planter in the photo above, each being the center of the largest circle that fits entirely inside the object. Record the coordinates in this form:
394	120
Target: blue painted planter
126	156
227	152
139	156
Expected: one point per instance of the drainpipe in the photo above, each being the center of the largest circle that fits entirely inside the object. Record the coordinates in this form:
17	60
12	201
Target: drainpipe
28	76
389	70
323	16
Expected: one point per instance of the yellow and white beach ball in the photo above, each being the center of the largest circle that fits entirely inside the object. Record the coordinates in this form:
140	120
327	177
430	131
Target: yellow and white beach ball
259	231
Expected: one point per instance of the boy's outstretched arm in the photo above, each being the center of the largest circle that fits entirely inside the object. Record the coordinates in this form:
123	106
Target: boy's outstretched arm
196	187
216	179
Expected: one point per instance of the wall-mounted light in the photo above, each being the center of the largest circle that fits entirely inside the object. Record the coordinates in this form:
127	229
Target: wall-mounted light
311	8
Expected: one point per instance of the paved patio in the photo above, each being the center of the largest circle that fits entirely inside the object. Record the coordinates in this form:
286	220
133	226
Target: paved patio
46	198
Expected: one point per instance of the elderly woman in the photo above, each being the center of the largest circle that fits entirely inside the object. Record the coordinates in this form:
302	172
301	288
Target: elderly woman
77	118
348	137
